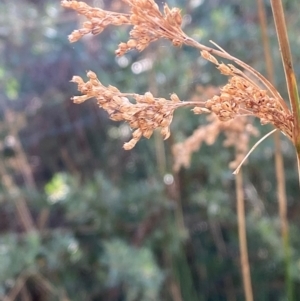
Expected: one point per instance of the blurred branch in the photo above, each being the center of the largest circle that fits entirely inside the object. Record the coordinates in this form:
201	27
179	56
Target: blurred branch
242	237
173	283
161	163
41	282
70	164
8	181
222	252
13	123
20	282
15	195
146	227
25	295
43	218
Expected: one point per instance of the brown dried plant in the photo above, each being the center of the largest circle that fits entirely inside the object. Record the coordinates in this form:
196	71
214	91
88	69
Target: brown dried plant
247	93
237	132
145	115
244	95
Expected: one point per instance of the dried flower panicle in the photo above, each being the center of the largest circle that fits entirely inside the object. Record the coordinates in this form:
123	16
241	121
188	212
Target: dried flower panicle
149	24
98	19
241	97
144	116
237	132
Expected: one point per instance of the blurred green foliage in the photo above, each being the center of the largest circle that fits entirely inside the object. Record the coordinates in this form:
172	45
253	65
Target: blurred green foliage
114	225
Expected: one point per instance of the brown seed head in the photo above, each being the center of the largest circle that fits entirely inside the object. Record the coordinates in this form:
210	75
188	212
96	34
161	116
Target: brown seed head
144	115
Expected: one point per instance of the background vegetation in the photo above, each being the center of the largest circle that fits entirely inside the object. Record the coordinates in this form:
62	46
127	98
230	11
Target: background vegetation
82	219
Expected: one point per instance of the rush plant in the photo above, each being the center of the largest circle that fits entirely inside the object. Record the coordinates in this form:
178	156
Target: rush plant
242	96
247	93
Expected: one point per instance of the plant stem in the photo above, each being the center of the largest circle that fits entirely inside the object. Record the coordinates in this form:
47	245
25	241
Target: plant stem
270	73
287	62
280	176
242	237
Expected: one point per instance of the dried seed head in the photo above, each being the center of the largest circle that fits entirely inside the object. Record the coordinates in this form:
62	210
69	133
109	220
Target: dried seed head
165	132
131	144
241	96
225	69
237	133
144	116
176	42
149	23
174	97
206	55
200	110
175	12
131	43
149	98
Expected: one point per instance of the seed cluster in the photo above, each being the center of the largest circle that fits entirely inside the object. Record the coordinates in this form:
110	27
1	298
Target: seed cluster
98	19
237	132
242	97
149	24
144	116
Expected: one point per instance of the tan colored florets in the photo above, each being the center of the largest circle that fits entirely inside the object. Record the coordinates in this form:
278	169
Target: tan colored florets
144	116
149	24
237	132
241	97
98	19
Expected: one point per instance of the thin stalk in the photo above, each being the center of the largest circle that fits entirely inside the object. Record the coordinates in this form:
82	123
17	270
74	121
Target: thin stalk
279	166
282	202
287	62
252	149
14	194
243	237
19	284
218	238
13	127
174	284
